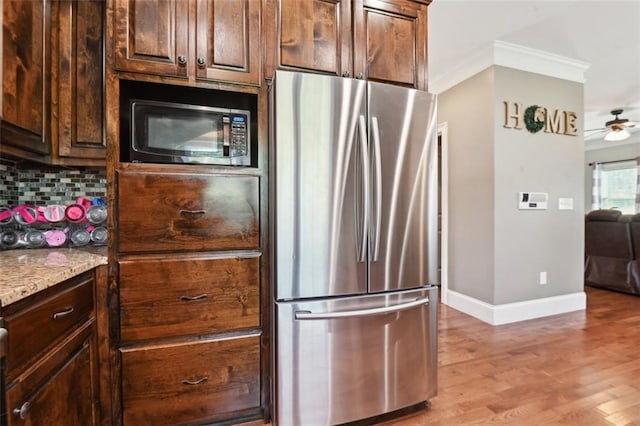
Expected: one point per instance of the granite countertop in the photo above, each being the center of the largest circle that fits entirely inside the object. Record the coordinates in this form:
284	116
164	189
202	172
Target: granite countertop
25	272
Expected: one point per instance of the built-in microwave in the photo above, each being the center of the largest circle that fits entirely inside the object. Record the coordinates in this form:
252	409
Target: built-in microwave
165	124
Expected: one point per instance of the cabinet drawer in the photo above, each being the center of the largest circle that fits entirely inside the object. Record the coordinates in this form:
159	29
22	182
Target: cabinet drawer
192	382
166	297
160	212
40	324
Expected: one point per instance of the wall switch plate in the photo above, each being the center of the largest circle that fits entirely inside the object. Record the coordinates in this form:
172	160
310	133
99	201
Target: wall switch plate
543	278
565	203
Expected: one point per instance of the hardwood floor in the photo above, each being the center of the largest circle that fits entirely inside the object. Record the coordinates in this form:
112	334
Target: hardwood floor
579	368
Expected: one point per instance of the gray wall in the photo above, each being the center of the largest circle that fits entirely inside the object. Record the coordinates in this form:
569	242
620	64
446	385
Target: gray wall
496	251
528	242
615	153
470	191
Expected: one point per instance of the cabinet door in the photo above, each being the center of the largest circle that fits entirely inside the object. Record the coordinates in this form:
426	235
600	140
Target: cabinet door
151	36
80	77
25	90
315	35
228	40
61	389
390	41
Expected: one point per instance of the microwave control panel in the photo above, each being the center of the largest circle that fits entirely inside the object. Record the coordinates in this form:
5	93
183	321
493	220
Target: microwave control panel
236	141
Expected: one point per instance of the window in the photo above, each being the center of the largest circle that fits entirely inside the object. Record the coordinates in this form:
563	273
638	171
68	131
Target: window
615	183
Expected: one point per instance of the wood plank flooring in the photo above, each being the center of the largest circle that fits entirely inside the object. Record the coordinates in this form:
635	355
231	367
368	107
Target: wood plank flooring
579	368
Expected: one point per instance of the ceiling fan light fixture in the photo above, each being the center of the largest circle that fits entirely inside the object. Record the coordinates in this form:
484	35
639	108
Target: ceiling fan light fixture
617	135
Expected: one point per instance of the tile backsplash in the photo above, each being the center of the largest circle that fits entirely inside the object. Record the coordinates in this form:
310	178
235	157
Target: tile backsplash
19	185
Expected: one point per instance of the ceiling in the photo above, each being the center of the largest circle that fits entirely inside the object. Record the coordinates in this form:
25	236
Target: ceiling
605	34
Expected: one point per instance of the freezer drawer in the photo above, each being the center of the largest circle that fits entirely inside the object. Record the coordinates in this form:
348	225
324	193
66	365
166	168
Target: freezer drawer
340	360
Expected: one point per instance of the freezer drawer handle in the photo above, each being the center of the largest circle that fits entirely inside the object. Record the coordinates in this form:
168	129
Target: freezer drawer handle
190	298
307	315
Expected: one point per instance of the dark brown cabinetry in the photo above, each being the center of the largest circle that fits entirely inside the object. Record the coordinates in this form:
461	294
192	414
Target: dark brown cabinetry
315	35
189	279
190	298
382	40
203	39
52	367
78	80
52	88
26	97
204	380
195	211
194	295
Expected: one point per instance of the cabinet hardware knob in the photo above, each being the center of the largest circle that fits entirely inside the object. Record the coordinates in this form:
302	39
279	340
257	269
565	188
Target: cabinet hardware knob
200	62
192	212
346	74
23	411
64	313
190	298
360	76
182	60
195	382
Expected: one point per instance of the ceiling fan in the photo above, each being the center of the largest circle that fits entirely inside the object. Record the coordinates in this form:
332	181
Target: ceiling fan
617	129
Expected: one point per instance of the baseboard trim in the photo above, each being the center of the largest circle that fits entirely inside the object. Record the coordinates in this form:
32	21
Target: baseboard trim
518	311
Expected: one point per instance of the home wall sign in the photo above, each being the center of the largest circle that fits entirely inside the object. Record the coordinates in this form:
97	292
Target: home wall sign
535	118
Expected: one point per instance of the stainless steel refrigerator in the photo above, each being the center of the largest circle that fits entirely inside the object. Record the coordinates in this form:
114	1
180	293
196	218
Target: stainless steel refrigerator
355	246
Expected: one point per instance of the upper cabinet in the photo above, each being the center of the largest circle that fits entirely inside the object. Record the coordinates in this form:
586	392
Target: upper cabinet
25	92
381	40
215	40
315	35
78	77
152	36
390	41
52	85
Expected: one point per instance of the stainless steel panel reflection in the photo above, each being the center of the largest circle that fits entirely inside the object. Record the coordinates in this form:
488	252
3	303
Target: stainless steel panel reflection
404	249
315	161
332	371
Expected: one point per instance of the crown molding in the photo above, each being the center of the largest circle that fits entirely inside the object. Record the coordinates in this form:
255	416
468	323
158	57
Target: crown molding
512	56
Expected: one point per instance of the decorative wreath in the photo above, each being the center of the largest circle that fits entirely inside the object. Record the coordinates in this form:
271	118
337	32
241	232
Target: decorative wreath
533	125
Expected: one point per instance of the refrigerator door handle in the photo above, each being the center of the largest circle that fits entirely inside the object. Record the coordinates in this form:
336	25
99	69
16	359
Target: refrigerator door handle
364	154
307	315
377	170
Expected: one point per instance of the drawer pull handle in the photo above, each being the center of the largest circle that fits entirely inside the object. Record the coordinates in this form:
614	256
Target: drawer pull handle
192	212
190	298
23	411
195	382
63	314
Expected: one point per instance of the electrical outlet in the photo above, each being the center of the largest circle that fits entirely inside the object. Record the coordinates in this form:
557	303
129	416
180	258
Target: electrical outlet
543	278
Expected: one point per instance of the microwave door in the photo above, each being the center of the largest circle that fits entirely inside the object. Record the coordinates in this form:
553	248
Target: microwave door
168	132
